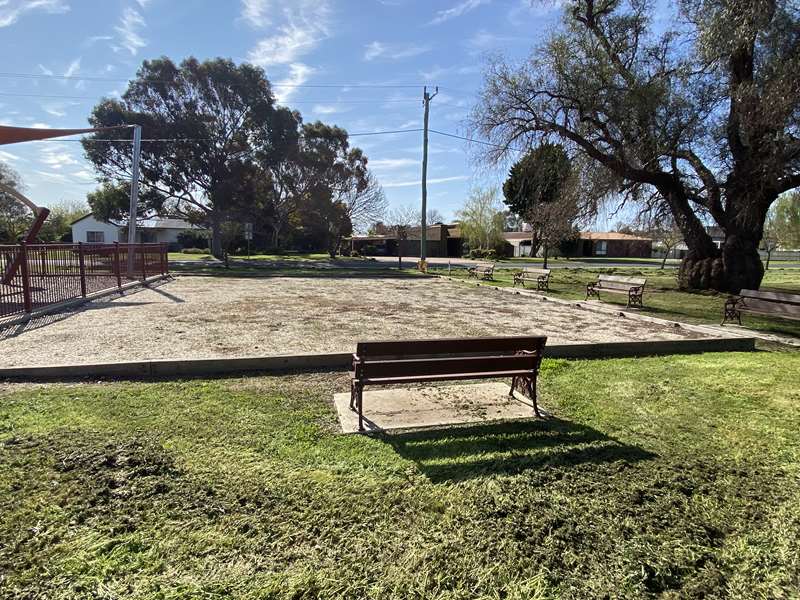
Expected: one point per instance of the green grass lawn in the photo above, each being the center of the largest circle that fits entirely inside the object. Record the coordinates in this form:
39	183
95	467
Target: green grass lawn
662	297
660	477
173	256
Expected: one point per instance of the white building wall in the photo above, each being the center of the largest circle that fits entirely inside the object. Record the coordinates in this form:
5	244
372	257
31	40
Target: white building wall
82	227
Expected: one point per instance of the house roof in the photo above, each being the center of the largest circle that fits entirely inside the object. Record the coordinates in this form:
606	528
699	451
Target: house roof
153	223
517	235
612	235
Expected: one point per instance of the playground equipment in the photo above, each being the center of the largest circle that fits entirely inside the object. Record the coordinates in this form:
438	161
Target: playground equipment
40	214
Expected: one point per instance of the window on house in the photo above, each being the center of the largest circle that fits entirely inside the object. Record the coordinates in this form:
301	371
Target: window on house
601	248
95	237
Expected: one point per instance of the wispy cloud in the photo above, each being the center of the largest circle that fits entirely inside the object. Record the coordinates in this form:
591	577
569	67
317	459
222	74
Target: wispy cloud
328	109
379	50
304	25
456	11
435	180
286	87
129	28
8	156
392	163
12	10
57	156
256	12
483	41
73	68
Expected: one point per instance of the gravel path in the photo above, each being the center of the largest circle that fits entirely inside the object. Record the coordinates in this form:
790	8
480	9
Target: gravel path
199	317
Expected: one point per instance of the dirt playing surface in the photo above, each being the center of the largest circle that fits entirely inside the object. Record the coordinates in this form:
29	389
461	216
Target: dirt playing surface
204	317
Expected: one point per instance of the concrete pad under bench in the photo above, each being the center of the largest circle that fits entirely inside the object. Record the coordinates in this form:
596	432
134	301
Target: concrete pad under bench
431	406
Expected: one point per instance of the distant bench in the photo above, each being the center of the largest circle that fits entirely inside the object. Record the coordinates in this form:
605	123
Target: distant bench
482	271
415	361
540	276
771	304
615	284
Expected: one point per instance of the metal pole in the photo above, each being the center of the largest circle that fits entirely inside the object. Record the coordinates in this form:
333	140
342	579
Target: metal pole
137	149
426	98
82	268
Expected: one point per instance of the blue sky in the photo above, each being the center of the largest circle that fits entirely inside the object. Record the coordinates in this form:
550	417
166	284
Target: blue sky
298	42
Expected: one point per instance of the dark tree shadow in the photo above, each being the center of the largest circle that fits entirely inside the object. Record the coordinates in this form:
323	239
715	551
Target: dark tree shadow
508	448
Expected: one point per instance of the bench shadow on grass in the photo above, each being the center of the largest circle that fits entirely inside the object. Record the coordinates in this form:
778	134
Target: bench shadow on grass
508	448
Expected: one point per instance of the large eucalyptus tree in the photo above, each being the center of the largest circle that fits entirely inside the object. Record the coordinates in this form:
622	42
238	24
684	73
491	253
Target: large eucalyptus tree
699	118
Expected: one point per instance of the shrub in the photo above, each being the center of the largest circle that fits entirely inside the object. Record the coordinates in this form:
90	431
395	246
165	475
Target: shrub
489	253
354	253
196	251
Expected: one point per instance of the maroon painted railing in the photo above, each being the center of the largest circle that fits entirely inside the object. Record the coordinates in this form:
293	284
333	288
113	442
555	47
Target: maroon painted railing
36	276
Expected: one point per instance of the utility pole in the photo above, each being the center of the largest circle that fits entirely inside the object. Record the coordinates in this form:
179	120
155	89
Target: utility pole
426	99
137	150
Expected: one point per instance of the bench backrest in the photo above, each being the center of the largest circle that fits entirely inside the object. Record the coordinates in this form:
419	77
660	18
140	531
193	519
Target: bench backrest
535	271
777	303
449	356
484	266
618	280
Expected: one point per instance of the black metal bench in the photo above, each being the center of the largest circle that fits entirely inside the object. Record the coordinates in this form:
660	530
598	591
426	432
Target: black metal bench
540	276
615	284
482	271
417	361
769	303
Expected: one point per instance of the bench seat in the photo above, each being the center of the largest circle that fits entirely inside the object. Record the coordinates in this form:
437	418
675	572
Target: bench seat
616	284
784	305
482	271
449	359
540	276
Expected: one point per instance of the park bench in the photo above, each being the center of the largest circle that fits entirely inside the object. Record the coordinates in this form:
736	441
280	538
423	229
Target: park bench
419	361
482	271
540	276
615	284
770	303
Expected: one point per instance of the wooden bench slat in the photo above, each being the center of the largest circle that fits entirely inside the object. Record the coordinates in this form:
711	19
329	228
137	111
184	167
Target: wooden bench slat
443	366
447	377
620	279
783	297
772	308
487	345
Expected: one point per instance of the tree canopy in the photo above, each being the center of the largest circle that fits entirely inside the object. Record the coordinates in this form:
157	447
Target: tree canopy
700	119
224	112
539	188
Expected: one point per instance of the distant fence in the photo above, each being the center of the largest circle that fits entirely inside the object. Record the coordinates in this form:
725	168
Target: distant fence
34	277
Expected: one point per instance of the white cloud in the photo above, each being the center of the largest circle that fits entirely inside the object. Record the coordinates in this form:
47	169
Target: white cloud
327	109
255	12
73	68
304	26
129	27
8	156
57	156
12	10
286	87
456	11
45	70
143	3
92	40
392	163
55	110
482	41
395	184
375	50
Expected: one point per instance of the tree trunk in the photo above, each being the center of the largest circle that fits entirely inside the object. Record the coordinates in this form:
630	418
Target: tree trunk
544	265
735	266
664	260
216	236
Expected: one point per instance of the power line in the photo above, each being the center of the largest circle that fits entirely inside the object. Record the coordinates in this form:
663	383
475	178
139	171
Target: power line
123	140
474	141
289	85
310	101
